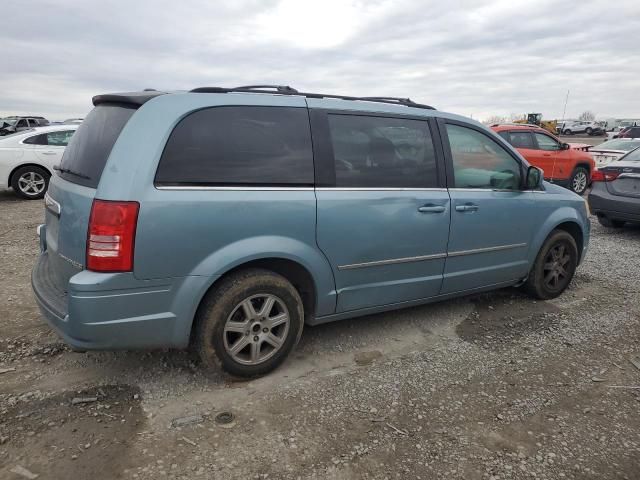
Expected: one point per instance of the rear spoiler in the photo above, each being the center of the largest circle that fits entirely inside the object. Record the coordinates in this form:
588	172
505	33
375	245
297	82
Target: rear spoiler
583	147
132	98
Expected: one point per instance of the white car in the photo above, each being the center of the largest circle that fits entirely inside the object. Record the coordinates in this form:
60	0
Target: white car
569	128
612	150
27	158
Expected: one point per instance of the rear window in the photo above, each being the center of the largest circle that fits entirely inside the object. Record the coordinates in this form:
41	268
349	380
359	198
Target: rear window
239	146
87	152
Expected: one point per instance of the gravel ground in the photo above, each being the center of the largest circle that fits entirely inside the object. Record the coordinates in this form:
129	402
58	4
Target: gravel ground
493	386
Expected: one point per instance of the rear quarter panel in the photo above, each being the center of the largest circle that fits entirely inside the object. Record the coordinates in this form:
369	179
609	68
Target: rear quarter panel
207	232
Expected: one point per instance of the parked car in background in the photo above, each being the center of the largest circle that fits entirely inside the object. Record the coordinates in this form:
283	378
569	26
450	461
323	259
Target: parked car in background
9	125
612	150
27	158
628	132
563	165
590	128
73	121
615	195
246	213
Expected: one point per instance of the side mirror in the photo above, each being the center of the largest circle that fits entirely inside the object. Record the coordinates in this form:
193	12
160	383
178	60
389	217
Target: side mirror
564	146
534	178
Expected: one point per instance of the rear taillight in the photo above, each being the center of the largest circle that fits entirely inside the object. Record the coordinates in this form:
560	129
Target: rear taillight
604	176
111	236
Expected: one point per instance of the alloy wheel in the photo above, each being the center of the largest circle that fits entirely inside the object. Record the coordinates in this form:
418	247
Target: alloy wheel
256	329
556	266
579	182
31	183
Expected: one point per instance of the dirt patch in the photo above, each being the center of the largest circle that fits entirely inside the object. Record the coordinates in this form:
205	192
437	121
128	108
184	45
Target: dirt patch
367	358
67	440
503	317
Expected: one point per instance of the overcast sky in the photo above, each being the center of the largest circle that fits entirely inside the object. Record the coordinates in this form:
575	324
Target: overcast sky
469	57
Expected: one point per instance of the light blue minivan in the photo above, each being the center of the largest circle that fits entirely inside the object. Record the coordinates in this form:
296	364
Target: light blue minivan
226	219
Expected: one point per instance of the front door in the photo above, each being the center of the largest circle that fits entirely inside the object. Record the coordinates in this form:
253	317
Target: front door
491	225
383	211
549	151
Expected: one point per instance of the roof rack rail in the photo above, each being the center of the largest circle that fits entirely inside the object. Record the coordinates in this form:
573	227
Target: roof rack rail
282	89
286	90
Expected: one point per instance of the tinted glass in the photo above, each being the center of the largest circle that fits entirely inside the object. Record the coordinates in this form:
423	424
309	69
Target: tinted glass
521	139
379	152
59	139
239	146
90	146
480	162
545	142
36	140
21	123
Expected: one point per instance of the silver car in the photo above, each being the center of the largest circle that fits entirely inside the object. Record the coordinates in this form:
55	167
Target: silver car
612	150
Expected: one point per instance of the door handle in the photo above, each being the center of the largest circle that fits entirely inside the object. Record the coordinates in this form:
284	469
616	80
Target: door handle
467	208
546	154
48	153
431	209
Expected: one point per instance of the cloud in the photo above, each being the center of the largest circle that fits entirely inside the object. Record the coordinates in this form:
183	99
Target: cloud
469	57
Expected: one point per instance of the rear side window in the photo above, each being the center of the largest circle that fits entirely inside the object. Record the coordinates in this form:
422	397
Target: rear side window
87	152
37	140
59	139
239	146
382	152
520	139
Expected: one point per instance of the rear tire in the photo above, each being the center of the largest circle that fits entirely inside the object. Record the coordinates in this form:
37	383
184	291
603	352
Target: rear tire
30	182
579	180
607	222
567	132
241	327
554	267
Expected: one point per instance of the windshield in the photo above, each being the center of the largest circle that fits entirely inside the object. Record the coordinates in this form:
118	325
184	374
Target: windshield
633	156
619	144
10	121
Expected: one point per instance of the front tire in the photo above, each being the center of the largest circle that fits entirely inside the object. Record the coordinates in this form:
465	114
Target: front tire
579	180
554	267
567	132
249	323
30	182
589	131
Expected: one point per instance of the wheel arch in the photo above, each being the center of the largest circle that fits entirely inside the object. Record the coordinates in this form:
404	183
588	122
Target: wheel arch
27	164
583	163
294	271
573	229
565	219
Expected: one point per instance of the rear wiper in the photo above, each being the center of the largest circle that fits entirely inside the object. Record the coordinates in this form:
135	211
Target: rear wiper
60	169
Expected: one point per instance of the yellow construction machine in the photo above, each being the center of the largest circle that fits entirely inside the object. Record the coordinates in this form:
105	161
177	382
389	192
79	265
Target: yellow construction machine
536	119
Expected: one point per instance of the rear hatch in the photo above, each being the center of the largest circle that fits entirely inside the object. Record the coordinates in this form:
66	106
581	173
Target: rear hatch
627	181
73	188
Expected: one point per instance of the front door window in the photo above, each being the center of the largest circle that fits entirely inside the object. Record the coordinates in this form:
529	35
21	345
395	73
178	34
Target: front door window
480	162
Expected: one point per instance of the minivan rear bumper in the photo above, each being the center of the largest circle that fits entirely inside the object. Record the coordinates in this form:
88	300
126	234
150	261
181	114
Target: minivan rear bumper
116	311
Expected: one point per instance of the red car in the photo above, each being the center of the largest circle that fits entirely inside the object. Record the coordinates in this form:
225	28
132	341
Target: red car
563	164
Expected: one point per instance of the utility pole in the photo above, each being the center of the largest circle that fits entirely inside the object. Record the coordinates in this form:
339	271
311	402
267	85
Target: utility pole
564	112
